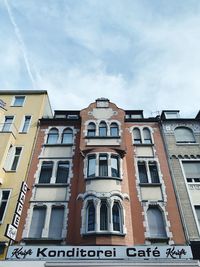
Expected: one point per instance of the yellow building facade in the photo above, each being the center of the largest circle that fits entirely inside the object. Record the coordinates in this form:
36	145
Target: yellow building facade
19	114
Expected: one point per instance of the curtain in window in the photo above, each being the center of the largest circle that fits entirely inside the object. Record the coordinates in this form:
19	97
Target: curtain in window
62	172
52	136
67	136
56	222
103	216
37	223
154	172
192	169
115	166
116	217
142	172
137	136
103	165
147	136
114	129
91	217
102	129
46	172
91	131
91	170
156	223
184	135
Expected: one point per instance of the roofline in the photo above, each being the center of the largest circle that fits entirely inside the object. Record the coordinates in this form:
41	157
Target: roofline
23	92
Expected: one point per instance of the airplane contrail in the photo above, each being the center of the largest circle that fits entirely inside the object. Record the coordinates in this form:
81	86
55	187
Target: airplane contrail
21	42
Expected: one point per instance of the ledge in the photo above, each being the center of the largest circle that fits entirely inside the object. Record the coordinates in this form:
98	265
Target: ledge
103	178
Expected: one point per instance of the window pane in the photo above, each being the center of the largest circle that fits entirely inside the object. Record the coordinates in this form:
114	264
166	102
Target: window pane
3	203
184	135
102	129
91	129
52	136
142	172
197	209
103	217
91	170
56	222
67	136
147	136
114	130
103	165
192	169
62	172
137	136
16	158
26	124
116	217
19	100
115	166
154	173
46	172
7	124
91	217
156	223
37	223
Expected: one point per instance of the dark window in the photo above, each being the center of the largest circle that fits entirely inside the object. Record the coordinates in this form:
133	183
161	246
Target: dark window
102	129
62	172
103	216
67	136
103	165
3	203
154	172
184	135
46	172
91	130
147	136
91	170
115	166
37	223
18	101
52	136
16	158
91	217
137	136
142	172
116	217
156	223
114	129
56	222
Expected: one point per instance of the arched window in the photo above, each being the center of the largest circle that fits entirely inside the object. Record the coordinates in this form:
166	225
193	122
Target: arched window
115	166
103	216
156	223
91	129
116	217
137	136
184	135
90	217
102	129
52	136
114	129
147	136
67	136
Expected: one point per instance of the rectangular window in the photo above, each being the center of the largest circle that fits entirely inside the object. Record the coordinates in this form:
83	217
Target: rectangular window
197	209
56	222
115	166
142	172
91	170
154	172
37	223
103	165
62	172
46	172
18	101
16	157
7	124
192	171
3	203
26	124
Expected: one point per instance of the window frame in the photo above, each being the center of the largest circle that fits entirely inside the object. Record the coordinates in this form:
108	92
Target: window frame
68	169
24	125
41	170
103	130
69	133
5	128
188	131
91	129
4	201
55	136
114	126
149	179
15	100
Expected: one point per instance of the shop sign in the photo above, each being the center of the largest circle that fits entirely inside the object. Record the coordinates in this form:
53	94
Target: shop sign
11	230
98	252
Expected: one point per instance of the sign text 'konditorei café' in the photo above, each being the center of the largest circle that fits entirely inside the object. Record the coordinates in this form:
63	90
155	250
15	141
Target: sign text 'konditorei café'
98	252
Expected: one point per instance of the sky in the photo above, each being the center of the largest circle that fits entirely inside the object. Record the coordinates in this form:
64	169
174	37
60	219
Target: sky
140	54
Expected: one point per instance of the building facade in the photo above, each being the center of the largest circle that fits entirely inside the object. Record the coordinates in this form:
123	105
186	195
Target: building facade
101	193
19	114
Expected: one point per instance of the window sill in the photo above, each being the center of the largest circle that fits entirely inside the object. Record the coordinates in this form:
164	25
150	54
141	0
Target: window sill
52	185
150	145
158	239
42	240
149	184
59	144
102	137
103	178
104	233
186	144
9	171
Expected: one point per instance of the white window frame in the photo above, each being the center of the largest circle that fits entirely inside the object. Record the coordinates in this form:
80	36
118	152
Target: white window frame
149	178
141	129
10	158
23	124
7	201
18	96
4	122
